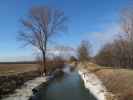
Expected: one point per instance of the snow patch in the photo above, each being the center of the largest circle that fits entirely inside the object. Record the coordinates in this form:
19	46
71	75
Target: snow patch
25	92
94	85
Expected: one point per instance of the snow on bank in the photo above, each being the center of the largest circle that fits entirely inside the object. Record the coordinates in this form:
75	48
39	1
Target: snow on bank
94	85
25	92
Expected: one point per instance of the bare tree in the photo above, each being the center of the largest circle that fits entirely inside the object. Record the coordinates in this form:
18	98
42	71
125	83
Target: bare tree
41	24
127	29
84	51
127	22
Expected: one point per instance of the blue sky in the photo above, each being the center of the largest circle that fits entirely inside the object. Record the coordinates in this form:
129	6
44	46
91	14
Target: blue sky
94	20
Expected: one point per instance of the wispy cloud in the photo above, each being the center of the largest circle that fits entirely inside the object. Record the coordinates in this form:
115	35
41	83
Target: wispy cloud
98	39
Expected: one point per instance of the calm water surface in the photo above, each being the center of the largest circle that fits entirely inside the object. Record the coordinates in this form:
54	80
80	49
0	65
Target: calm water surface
67	87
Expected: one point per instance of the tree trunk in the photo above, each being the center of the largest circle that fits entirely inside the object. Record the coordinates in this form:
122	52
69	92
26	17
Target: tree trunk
44	62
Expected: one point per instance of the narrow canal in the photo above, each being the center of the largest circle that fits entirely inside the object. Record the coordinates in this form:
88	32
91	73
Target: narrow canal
66	87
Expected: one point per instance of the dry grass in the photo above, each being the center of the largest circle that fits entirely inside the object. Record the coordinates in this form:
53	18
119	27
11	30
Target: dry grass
15	68
8	69
117	81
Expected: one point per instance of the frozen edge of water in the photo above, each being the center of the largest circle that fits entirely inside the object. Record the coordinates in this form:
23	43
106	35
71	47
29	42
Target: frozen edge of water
25	92
94	85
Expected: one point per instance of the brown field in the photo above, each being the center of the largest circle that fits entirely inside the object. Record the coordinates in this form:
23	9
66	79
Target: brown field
117	81
21	67
8	69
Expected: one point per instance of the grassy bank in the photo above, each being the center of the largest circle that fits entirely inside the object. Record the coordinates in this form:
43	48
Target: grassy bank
13	76
117	81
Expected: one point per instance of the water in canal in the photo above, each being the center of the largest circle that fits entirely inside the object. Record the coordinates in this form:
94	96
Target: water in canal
67	87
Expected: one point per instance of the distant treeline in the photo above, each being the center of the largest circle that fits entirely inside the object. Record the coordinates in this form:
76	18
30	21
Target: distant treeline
116	54
119	53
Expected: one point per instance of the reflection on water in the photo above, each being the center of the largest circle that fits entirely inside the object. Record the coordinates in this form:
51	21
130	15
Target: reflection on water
67	87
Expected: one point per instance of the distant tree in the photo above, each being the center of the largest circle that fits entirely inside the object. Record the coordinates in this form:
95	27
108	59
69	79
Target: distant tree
84	51
126	20
127	29
104	57
41	24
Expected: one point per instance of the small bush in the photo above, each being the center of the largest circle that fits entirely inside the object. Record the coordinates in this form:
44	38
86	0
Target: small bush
56	63
73	59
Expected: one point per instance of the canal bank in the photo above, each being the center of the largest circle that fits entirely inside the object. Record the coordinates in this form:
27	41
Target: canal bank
69	86
93	83
10	82
78	85
30	87
25	92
